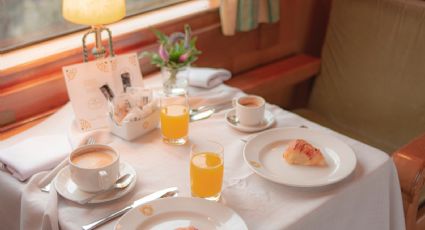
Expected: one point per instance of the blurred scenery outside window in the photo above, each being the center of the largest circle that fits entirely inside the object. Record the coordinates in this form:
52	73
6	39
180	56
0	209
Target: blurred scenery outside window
25	22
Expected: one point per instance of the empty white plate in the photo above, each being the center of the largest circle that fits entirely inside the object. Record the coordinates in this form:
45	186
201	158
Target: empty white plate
181	212
264	155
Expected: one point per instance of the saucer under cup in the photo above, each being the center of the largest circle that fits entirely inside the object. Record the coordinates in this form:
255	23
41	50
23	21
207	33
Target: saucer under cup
70	191
232	121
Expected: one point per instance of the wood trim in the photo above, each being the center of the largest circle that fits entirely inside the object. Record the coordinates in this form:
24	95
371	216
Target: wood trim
420	221
410	163
16	128
286	72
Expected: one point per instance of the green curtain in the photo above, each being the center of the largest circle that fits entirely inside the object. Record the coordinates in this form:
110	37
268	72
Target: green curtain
245	15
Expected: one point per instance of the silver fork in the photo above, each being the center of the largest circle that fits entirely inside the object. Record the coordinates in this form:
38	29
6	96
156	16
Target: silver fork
51	175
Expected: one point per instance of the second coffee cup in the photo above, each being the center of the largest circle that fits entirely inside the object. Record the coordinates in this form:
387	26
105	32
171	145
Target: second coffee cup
249	109
94	167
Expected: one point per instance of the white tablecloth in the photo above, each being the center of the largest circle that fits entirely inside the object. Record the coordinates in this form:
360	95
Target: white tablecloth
369	199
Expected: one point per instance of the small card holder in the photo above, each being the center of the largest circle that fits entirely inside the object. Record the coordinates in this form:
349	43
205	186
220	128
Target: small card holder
85	84
132	129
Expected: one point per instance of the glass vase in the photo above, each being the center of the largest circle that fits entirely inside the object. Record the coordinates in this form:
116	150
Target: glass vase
174	78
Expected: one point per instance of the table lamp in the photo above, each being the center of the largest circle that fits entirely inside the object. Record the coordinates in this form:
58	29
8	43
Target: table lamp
94	13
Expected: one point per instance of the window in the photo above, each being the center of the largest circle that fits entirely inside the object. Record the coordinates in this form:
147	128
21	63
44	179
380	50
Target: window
25	22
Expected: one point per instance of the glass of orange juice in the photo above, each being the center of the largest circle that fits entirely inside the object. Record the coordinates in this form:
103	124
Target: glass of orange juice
174	117
206	170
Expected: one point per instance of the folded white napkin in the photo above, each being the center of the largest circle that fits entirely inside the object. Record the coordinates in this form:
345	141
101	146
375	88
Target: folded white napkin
34	155
207	77
77	138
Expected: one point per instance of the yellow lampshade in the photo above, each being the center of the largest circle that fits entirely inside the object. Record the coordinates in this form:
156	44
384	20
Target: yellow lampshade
93	12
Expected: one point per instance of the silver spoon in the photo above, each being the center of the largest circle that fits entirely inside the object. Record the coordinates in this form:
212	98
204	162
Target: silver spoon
233	119
203	114
122	182
199	109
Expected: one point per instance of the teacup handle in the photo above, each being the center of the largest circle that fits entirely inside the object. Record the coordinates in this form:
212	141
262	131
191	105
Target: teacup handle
102	179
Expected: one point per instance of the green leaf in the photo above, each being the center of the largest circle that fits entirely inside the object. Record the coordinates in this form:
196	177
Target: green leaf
162	37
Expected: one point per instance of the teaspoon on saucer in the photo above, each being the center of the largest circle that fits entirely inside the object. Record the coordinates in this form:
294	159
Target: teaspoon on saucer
122	182
233	119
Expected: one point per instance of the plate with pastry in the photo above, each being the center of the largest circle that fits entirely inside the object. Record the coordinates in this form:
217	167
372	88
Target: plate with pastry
299	157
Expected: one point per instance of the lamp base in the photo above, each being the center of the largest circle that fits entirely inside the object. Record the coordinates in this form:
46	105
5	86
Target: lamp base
98	51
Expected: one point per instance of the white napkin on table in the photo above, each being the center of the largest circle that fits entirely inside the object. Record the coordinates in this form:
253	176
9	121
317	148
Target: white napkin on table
207	77
34	155
78	138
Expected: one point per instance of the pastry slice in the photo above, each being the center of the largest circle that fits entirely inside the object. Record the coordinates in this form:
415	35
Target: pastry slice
191	227
300	152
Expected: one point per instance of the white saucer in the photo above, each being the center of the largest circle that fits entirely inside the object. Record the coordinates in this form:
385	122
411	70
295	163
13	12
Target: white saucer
69	190
266	123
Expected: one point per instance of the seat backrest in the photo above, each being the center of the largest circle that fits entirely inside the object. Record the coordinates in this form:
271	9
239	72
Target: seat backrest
372	79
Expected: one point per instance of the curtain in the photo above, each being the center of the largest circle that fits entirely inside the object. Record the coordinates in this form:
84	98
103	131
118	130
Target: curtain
245	15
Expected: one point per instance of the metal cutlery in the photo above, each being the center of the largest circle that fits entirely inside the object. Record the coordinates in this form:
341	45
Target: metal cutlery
200	115
197	110
168	192
45	182
206	111
123	182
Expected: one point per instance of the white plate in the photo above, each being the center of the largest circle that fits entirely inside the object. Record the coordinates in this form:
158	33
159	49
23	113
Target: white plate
69	190
267	122
264	154
176	212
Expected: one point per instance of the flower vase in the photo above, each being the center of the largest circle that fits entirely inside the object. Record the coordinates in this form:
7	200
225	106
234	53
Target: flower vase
174	78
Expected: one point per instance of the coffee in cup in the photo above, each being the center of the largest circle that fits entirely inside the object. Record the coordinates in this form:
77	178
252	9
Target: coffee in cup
249	109
94	167
94	159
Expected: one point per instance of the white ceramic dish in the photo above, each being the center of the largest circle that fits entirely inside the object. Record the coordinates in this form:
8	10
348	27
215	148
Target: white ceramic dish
267	122
177	212
264	155
69	190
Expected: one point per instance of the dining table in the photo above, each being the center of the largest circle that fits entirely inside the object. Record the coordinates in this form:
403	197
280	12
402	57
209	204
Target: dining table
368	198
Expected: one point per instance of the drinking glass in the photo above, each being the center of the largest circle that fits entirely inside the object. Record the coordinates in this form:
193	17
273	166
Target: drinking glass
174	117
206	170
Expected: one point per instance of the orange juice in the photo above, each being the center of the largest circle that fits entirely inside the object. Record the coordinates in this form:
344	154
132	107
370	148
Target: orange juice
174	121
206	174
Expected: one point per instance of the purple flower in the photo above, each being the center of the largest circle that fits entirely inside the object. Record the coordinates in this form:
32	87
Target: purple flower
184	57
175	37
163	53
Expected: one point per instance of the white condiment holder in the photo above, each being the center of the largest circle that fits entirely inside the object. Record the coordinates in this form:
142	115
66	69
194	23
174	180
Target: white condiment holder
133	129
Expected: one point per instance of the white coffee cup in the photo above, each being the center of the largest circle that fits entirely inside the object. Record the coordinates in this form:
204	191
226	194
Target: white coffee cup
94	167
249	109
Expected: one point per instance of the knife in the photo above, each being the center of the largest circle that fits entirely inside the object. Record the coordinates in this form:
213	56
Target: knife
158	194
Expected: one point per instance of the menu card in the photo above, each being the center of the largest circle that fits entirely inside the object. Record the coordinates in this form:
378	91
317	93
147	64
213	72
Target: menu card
85	80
